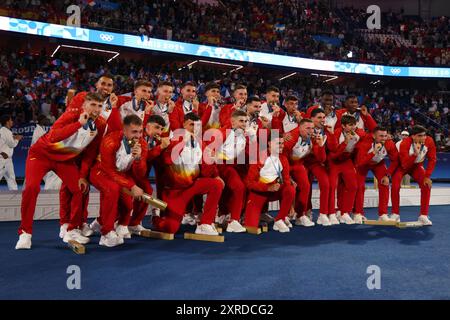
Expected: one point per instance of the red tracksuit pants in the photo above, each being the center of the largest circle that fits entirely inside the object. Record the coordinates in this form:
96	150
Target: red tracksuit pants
235	191
346	170
65	197
321	174
37	165
379	170
300	175
257	200
115	205
418	174
178	199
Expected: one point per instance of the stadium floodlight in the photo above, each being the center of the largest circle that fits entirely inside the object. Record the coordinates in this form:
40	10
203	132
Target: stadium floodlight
116	54
330	77
287	76
236	66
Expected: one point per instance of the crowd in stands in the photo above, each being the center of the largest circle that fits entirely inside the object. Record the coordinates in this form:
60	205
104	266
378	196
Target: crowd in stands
305	28
35	84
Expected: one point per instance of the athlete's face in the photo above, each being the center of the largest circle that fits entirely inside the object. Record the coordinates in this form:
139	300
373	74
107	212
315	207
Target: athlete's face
93	108
319	120
132	131
419	138
188	93
153	129
143	92
165	93
276	146
240	95
192	126
349	127
306	129
351	104
105	86
239	122
326	100
291	106
273	97
380	136
215	93
254	107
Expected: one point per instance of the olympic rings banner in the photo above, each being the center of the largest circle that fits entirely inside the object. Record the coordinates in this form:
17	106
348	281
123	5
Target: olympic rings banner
132	41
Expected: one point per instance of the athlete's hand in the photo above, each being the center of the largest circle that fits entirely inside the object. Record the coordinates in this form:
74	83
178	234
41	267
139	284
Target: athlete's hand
378	147
83	184
385	181
113	99
427	182
319	140
276	110
165	142
170	105
149	104
274	187
195	103
136	151
364	110
265	122
137	192
84	116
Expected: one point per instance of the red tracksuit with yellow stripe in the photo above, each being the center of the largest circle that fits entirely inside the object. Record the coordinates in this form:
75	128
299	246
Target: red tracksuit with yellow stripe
56	151
115	170
187	176
260	176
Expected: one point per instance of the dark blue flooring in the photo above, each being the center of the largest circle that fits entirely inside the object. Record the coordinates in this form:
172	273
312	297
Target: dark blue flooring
314	263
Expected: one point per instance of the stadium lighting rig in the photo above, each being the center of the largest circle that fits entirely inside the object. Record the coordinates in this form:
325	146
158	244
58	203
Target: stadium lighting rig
288	76
237	67
115	53
330	78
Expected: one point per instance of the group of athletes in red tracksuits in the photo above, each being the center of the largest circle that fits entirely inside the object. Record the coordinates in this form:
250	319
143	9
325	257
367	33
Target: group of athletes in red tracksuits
215	162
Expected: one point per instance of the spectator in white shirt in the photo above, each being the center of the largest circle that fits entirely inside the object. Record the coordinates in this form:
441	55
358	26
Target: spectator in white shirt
8	142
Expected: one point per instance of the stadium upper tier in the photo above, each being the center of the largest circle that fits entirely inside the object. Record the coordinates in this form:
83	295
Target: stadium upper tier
300	28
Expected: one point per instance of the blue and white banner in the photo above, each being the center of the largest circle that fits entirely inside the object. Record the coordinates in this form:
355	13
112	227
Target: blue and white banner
131	41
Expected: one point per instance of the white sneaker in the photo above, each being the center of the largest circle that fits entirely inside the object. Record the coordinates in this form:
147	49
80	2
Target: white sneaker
206	229
24	241
280	226
86	231
75	235
220	220
111	240
95	226
395	217
136	230
310	215
123	232
359	218
287	222
304	221
345	218
333	219
63	230
235	226
385	217
338	214
424	220
188	219
323	220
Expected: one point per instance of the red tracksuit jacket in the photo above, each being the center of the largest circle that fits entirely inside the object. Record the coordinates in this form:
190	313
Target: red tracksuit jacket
108	151
67	139
317	153
254	182
339	154
365	158
182	174
368	121
409	160
177	115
